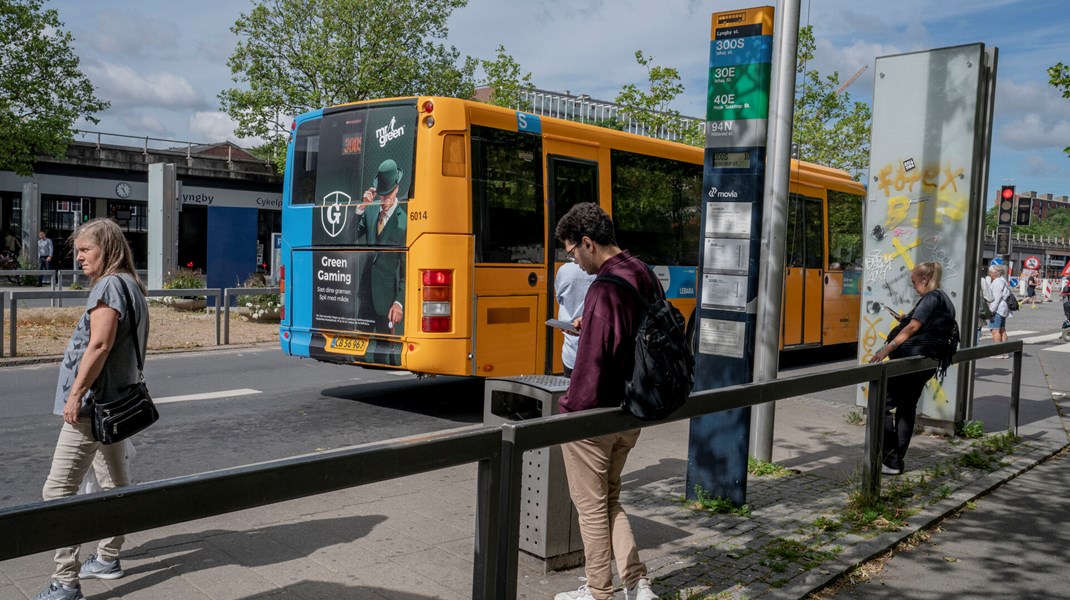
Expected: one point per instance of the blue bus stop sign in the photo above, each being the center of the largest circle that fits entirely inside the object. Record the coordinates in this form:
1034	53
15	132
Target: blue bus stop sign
997	261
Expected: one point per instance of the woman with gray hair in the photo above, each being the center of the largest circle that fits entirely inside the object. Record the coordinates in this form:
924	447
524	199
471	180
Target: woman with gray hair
999	289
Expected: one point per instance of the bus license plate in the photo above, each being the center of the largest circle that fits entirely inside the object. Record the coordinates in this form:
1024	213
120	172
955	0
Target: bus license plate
357	346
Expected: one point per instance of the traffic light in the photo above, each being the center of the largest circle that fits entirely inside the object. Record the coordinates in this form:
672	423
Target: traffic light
1006	204
1023	210
1003	240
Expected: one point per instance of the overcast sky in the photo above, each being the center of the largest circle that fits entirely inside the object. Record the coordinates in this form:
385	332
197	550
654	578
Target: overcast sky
163	64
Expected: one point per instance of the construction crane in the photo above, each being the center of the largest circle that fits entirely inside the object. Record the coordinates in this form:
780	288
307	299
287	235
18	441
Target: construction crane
851	80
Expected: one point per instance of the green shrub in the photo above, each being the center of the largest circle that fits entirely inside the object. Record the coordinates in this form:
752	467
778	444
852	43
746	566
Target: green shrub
262	307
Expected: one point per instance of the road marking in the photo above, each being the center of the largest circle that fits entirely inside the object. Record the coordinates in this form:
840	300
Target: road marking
1019	333
1062	348
1042	338
207	395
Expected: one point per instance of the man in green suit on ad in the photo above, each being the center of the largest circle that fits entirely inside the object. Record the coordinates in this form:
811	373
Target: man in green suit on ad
382	277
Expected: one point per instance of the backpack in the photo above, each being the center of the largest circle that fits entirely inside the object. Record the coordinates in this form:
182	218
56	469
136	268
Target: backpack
948	353
1012	302
664	363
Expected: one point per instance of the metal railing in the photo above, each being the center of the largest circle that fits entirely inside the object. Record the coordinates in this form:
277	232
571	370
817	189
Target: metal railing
222	296
497	451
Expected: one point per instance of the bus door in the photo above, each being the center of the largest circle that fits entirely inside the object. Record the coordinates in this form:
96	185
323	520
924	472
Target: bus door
571	178
804	275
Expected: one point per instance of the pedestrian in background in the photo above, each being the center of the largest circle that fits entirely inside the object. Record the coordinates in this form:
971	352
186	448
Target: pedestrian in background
44	254
99	360
999	289
604	360
929	326
570	287
1031	290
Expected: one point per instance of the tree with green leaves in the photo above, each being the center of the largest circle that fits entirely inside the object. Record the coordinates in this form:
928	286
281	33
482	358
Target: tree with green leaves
651	108
1059	78
502	76
293	56
42	91
828	127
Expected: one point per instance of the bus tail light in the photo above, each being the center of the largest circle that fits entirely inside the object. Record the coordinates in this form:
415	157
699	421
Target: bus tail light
282	292
437	299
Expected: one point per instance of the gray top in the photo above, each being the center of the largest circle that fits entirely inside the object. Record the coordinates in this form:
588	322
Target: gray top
44	247
120	367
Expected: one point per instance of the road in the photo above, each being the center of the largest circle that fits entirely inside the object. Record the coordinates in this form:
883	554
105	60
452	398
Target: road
227	408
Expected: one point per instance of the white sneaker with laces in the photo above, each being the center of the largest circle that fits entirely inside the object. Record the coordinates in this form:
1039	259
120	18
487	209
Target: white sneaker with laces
580	594
641	591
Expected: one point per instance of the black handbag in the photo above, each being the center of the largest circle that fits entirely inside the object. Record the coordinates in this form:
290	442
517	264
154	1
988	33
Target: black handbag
132	409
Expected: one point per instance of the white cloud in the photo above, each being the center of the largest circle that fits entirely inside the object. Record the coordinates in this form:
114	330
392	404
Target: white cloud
125	88
1033	132
214	126
144	124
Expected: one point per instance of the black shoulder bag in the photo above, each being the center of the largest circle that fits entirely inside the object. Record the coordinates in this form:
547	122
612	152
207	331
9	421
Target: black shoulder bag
131	410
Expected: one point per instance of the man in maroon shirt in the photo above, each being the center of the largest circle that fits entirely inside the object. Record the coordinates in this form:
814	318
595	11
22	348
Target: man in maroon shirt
604	360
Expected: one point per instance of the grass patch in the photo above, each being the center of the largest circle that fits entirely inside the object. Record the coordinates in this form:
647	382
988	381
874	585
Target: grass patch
970	429
987	453
762	468
855	418
704	502
782	552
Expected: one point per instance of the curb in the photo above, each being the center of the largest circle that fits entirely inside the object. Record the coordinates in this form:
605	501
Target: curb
21	361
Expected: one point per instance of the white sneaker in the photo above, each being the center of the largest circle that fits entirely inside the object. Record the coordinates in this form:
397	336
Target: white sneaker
641	591
581	594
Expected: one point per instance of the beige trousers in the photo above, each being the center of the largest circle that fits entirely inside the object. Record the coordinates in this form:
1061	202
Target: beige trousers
77	452
594	467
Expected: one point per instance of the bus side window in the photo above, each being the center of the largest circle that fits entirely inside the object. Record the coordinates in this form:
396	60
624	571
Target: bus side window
507	206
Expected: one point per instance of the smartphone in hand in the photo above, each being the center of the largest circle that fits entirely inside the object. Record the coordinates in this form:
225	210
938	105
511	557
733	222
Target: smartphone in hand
565	326
893	312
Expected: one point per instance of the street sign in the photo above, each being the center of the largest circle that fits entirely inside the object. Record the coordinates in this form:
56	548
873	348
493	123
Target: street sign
1066	269
1032	263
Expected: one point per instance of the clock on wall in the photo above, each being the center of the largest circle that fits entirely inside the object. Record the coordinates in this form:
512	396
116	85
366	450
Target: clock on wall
123	190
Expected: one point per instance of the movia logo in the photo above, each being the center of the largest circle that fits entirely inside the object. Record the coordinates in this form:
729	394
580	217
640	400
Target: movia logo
714	193
333	214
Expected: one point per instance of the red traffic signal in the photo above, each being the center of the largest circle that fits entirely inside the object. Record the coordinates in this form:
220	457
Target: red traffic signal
1007	192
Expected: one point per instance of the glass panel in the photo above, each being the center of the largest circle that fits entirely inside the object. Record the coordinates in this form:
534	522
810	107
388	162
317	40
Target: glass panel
657	207
306	160
507	206
573	182
815	235
845	231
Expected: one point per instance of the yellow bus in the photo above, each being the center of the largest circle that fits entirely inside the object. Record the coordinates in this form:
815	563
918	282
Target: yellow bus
417	234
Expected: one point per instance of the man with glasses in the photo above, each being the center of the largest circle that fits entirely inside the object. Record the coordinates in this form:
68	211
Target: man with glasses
604	360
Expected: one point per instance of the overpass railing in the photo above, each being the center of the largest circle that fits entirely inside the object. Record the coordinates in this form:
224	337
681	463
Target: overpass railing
497	451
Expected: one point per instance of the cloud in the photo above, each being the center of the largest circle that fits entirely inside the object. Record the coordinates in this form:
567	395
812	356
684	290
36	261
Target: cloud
126	88
1033	132
214	126
129	33
144	124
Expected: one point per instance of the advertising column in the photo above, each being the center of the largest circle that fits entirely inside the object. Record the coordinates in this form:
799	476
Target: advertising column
737	112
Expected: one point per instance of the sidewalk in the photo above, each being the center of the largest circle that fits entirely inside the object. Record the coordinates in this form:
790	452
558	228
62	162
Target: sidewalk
411	538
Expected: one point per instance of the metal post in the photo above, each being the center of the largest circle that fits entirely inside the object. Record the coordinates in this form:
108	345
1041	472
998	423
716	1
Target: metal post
488	529
1016	384
774	223
871	473
13	320
226	313
3	299
508	543
218	296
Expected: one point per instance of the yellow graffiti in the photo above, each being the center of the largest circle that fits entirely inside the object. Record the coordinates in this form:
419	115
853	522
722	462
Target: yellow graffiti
951	206
937	391
896	178
951	176
901	250
898	207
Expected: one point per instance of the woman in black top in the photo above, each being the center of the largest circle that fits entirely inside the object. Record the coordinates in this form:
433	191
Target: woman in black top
928	327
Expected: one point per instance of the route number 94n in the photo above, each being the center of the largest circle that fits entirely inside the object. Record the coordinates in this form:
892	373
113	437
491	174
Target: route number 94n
418	215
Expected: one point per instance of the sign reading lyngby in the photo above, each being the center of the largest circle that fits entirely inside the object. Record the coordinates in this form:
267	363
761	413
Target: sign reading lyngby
113	189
